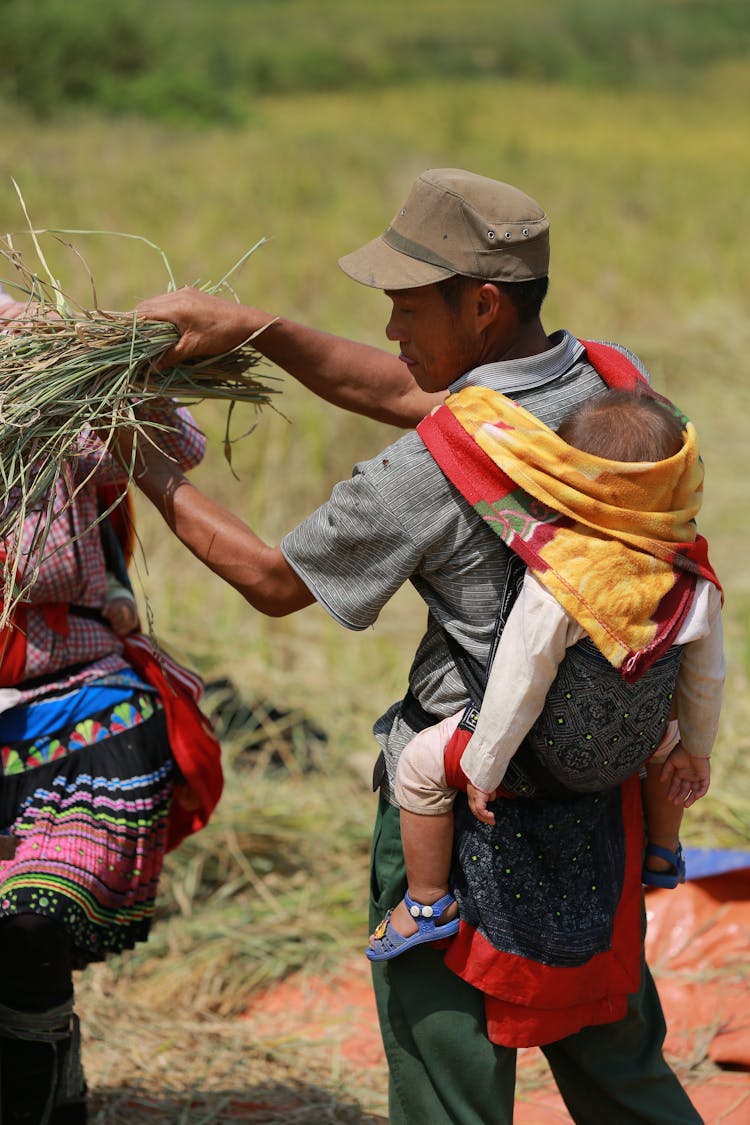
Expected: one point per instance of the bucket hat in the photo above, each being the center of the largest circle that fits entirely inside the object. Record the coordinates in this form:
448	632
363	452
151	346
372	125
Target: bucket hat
456	222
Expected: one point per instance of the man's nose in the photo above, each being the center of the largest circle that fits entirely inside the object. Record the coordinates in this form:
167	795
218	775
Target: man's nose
392	331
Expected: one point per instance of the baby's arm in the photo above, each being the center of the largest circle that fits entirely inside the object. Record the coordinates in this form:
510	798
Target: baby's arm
687	776
531	648
698	696
685	749
700	682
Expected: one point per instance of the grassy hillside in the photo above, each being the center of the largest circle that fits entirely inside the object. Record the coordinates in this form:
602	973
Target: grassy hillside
647	193
210	60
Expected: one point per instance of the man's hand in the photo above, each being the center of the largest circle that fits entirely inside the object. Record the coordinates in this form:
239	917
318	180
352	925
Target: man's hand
688	777
478	801
208	325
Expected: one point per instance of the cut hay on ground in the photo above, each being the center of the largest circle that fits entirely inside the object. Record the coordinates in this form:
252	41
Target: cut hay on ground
146	1066
275	884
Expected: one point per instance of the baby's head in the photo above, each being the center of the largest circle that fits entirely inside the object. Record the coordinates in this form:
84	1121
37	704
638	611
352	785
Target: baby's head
624	426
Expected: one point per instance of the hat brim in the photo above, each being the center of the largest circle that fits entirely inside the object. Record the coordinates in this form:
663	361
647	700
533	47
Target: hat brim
381	267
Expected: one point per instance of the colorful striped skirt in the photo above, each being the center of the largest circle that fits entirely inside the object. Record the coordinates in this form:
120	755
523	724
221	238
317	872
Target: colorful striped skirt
91	822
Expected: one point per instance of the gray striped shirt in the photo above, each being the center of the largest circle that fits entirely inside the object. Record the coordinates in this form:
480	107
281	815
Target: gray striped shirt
398	519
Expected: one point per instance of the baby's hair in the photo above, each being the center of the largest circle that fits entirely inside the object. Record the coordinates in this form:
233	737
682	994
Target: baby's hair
624	426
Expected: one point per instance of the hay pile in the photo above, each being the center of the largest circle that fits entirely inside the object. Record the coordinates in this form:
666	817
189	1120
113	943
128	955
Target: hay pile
66	371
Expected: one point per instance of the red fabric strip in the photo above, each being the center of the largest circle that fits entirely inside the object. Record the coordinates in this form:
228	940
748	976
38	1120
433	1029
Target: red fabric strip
466	465
195	747
617	371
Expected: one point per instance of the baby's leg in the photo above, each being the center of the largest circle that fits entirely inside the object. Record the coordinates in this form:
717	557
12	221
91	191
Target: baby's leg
663	864
426	812
428	847
663	818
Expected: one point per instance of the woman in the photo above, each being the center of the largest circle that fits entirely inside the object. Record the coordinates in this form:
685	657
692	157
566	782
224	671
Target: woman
91	796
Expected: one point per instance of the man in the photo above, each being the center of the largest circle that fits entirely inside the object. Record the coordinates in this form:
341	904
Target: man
464	263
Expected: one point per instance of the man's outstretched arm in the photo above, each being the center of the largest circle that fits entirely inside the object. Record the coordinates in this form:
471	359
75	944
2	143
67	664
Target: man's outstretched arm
217	537
356	377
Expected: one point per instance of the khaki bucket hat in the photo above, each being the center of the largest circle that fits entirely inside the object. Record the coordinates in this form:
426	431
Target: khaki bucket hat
455	222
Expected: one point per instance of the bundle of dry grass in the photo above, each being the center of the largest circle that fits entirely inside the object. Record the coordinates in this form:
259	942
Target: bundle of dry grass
66	371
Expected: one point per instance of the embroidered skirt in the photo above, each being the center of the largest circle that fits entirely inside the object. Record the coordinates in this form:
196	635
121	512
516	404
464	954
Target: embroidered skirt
90	816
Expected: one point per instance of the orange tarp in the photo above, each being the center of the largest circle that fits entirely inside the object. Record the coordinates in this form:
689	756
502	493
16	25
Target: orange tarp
697	946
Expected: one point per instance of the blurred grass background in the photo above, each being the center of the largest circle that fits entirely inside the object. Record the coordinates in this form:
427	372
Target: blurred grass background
206	127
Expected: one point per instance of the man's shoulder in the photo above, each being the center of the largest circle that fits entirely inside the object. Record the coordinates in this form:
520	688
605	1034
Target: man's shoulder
406	457
405	480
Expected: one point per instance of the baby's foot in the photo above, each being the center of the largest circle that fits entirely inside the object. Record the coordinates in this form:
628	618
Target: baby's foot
405	924
663	867
661	854
402	922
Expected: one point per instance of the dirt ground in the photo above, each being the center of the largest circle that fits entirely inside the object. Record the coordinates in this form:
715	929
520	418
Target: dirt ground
308	1050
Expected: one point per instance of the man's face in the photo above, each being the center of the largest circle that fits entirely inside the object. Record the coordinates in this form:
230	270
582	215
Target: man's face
438	343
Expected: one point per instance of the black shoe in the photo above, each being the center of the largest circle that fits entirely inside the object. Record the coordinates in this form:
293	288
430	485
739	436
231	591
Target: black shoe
28	1081
72	1113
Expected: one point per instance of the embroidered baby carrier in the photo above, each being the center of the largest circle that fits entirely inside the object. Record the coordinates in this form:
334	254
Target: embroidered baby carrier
595	728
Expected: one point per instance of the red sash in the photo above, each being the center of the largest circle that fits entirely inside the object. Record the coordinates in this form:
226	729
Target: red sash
194	746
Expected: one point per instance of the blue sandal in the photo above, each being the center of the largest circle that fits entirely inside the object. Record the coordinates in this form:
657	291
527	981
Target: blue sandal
390	943
668	879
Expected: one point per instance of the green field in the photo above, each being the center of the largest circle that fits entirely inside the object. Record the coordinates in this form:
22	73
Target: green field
647	192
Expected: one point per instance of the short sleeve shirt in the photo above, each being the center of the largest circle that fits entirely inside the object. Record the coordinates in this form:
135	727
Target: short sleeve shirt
398	519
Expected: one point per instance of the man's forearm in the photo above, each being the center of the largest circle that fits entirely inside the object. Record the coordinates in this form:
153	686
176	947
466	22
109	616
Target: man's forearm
219	539
354	376
357	377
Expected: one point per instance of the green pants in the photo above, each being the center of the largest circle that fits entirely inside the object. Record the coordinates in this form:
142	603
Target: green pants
444	1069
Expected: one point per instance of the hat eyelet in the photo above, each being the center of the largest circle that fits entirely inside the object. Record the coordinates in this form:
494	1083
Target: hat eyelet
508	235
525	232
491	235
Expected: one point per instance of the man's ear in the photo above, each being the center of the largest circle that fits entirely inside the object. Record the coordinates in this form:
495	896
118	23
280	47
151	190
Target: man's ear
490	301
495	309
